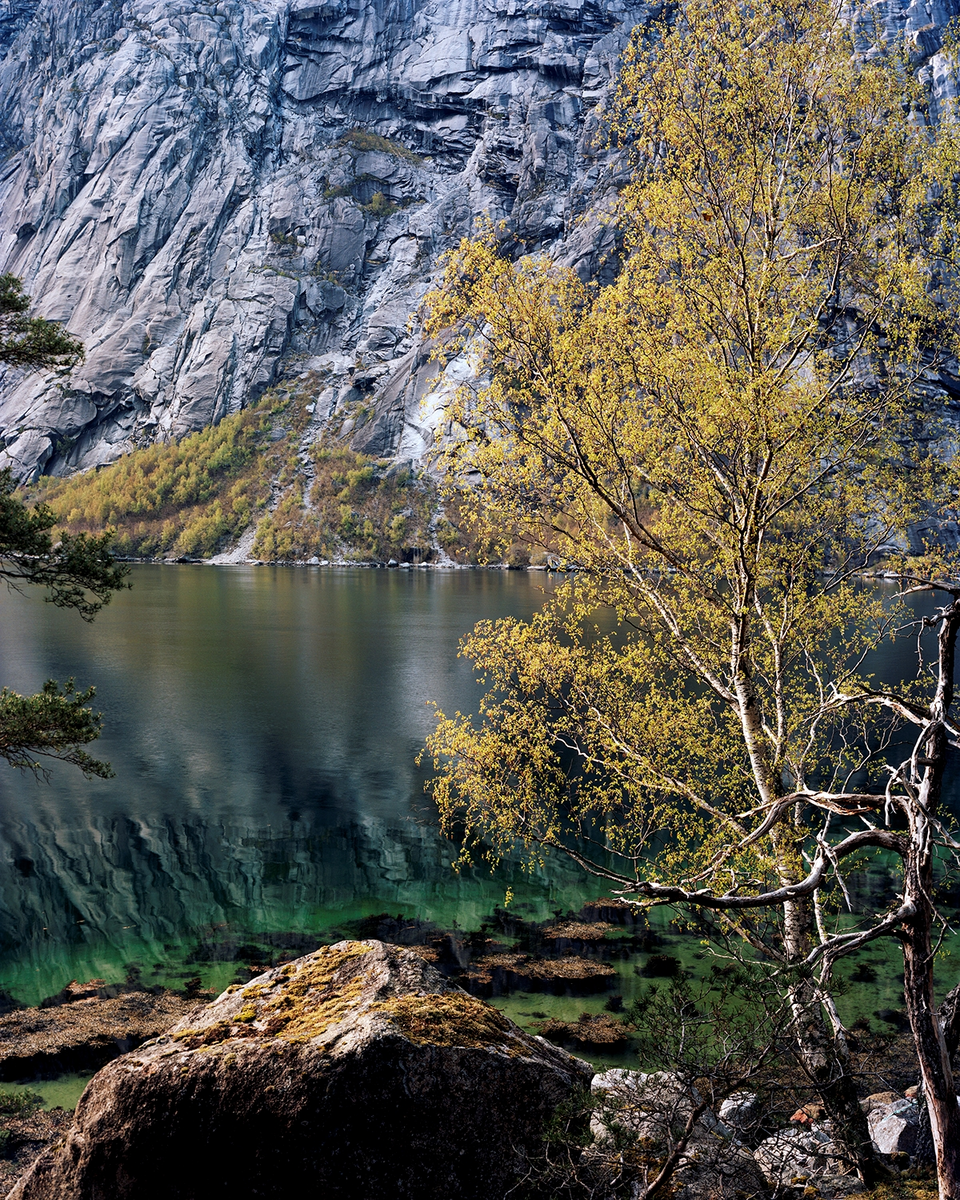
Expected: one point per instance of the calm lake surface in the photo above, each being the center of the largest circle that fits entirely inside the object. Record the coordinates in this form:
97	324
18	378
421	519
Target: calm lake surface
264	725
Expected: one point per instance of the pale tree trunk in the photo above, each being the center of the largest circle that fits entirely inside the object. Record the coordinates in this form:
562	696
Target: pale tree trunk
825	1056
939	1088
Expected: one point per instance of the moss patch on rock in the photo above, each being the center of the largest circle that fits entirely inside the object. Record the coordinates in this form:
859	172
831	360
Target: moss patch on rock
303	1001
211	1035
315	996
450	1019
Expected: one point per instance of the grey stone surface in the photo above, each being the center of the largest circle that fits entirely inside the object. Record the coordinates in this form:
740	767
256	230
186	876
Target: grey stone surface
741	1113
654	1108
894	1127
791	1155
183	186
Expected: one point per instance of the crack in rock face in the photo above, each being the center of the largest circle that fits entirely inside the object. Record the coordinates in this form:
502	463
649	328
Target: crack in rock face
213	194
216	195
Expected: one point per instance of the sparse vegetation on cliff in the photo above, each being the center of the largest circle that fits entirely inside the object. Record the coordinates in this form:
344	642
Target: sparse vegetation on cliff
357	507
196	497
184	498
364	141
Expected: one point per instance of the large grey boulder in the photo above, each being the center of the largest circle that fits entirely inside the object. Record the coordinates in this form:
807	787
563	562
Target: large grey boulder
357	1071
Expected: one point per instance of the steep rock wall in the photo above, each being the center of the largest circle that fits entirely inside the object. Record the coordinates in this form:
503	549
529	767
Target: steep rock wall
214	194
184	185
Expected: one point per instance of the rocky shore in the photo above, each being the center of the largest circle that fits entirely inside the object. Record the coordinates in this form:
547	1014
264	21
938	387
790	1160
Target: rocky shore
82	1028
26	1130
142	1032
360	1070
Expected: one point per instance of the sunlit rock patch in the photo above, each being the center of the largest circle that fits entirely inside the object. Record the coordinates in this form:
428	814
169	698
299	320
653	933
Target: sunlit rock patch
356	1070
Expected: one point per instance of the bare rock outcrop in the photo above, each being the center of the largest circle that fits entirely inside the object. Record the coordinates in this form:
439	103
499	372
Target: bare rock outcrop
212	193
215	194
356	1071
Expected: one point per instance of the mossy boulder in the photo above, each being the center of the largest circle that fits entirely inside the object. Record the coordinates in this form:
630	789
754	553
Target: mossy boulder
356	1071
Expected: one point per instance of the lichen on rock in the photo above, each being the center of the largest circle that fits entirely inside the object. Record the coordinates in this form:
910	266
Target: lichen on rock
356	1071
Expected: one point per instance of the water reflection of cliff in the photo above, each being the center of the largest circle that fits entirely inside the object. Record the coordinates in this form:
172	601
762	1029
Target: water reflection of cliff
93	897
263	726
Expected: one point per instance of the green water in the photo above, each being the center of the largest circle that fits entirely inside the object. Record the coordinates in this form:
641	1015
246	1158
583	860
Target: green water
63	1092
264	725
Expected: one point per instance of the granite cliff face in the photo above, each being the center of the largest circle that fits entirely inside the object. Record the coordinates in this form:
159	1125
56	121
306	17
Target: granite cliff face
210	194
213	195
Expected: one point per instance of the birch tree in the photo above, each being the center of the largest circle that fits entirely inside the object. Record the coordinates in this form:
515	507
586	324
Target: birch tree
725	438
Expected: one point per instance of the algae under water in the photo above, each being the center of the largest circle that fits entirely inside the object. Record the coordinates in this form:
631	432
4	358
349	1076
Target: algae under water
264	725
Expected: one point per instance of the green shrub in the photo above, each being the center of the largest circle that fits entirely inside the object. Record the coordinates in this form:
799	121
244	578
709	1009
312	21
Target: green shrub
379	206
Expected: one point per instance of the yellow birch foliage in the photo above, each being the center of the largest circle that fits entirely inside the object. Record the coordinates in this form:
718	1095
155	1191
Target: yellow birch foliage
723	437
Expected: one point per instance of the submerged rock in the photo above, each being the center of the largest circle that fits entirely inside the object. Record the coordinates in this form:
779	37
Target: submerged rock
84	1034
356	1071
593	1030
494	974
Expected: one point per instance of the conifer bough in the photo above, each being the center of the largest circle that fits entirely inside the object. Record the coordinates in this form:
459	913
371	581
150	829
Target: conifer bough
78	572
725	437
32	342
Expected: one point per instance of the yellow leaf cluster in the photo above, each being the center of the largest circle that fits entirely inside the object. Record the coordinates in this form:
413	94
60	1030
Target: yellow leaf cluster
725	437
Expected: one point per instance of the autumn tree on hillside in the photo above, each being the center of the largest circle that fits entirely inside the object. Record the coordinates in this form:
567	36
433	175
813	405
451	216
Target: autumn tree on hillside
78	572
723	437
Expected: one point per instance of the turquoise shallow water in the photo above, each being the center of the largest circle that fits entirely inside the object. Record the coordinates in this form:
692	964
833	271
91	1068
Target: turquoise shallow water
264	725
